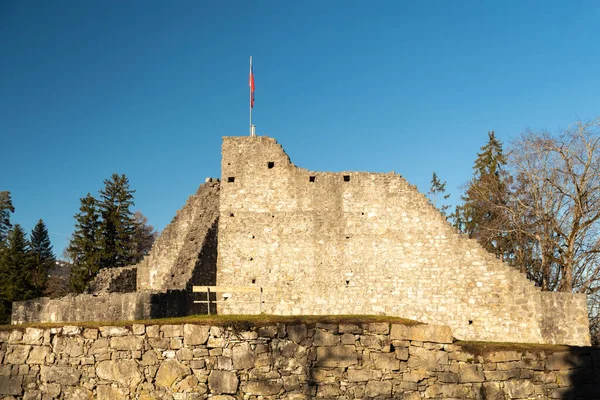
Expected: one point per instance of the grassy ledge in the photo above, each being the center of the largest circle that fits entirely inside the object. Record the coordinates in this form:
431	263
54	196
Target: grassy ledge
230	320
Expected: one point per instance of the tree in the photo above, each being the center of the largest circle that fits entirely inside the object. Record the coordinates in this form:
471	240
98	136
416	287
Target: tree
438	187
143	237
480	215
84	248
15	271
43	257
118	225
6	207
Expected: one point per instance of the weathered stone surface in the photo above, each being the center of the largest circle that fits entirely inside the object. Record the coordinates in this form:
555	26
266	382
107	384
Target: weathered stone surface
127	343
471	373
518	389
358	375
296	333
171	330
379	328
325	338
33	336
428	333
71	330
78	393
105	392
11	385
375	388
107	331
243	356
38	354
62	374
385	361
262	388
171	371
222	382
336	356
124	372
17	354
564	360
195	334
503	356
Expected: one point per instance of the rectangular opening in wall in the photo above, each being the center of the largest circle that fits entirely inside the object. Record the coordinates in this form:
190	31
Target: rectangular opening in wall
311	178
346	178
270	164
231	179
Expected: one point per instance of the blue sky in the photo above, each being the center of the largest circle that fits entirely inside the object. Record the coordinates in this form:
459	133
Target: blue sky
148	88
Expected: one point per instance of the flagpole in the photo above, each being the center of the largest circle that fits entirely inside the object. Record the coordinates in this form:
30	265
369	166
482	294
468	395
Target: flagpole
250	103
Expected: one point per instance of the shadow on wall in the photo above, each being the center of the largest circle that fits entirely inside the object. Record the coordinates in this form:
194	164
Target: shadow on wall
583	376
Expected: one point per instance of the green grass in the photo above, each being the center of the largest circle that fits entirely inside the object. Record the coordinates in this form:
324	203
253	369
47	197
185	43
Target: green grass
230	320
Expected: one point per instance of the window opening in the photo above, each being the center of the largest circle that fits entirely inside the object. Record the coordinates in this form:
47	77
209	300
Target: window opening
231	179
311	178
346	178
270	164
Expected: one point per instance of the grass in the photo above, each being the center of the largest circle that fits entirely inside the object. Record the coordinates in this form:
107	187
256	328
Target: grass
484	348
248	321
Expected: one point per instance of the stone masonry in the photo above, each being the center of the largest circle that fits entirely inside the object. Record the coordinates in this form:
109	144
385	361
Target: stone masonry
284	361
322	243
365	243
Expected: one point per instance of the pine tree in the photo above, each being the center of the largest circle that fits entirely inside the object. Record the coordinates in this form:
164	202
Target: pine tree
438	187
15	271
6	207
43	257
479	216
84	248
118	225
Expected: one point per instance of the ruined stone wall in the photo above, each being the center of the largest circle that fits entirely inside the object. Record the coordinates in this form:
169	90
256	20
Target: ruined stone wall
110	280
186	248
363	243
294	362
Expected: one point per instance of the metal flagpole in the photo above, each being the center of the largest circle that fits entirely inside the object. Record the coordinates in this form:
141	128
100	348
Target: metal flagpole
250	87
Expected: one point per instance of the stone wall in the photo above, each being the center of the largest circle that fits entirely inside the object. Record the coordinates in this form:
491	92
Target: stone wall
363	243
296	361
186	249
110	280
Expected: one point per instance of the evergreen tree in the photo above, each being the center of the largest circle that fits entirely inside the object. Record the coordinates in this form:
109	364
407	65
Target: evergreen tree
6	207
118	225
84	248
480	214
43	257
143	237
15	271
438	187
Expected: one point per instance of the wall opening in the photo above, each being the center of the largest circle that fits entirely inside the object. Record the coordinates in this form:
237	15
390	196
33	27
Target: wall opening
253	281
231	179
311	178
346	178
470	322
347	282
231	214
270	164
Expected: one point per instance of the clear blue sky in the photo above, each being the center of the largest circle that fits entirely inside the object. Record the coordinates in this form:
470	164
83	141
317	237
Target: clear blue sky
148	88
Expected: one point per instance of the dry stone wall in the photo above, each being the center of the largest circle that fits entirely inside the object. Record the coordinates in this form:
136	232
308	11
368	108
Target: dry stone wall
294	362
363	243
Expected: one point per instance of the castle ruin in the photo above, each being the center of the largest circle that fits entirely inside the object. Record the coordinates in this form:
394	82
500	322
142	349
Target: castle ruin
323	243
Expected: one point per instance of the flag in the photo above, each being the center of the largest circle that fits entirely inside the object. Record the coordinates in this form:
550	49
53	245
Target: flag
251	84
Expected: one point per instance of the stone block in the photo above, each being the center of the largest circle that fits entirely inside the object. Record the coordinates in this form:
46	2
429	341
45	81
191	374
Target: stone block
33	336
105	392
348	338
124	372
194	335
38	354
358	375
71	330
138	329
336	356
518	389
170	331
222	382
108	331
171	371
471	373
567	360
296	333
17	354
11	385
262	388
127	343
422	333
243	356
378	388
61	374
385	361
350	328
325	338
379	328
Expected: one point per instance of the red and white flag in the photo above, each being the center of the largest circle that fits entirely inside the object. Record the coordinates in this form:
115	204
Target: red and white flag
251	84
